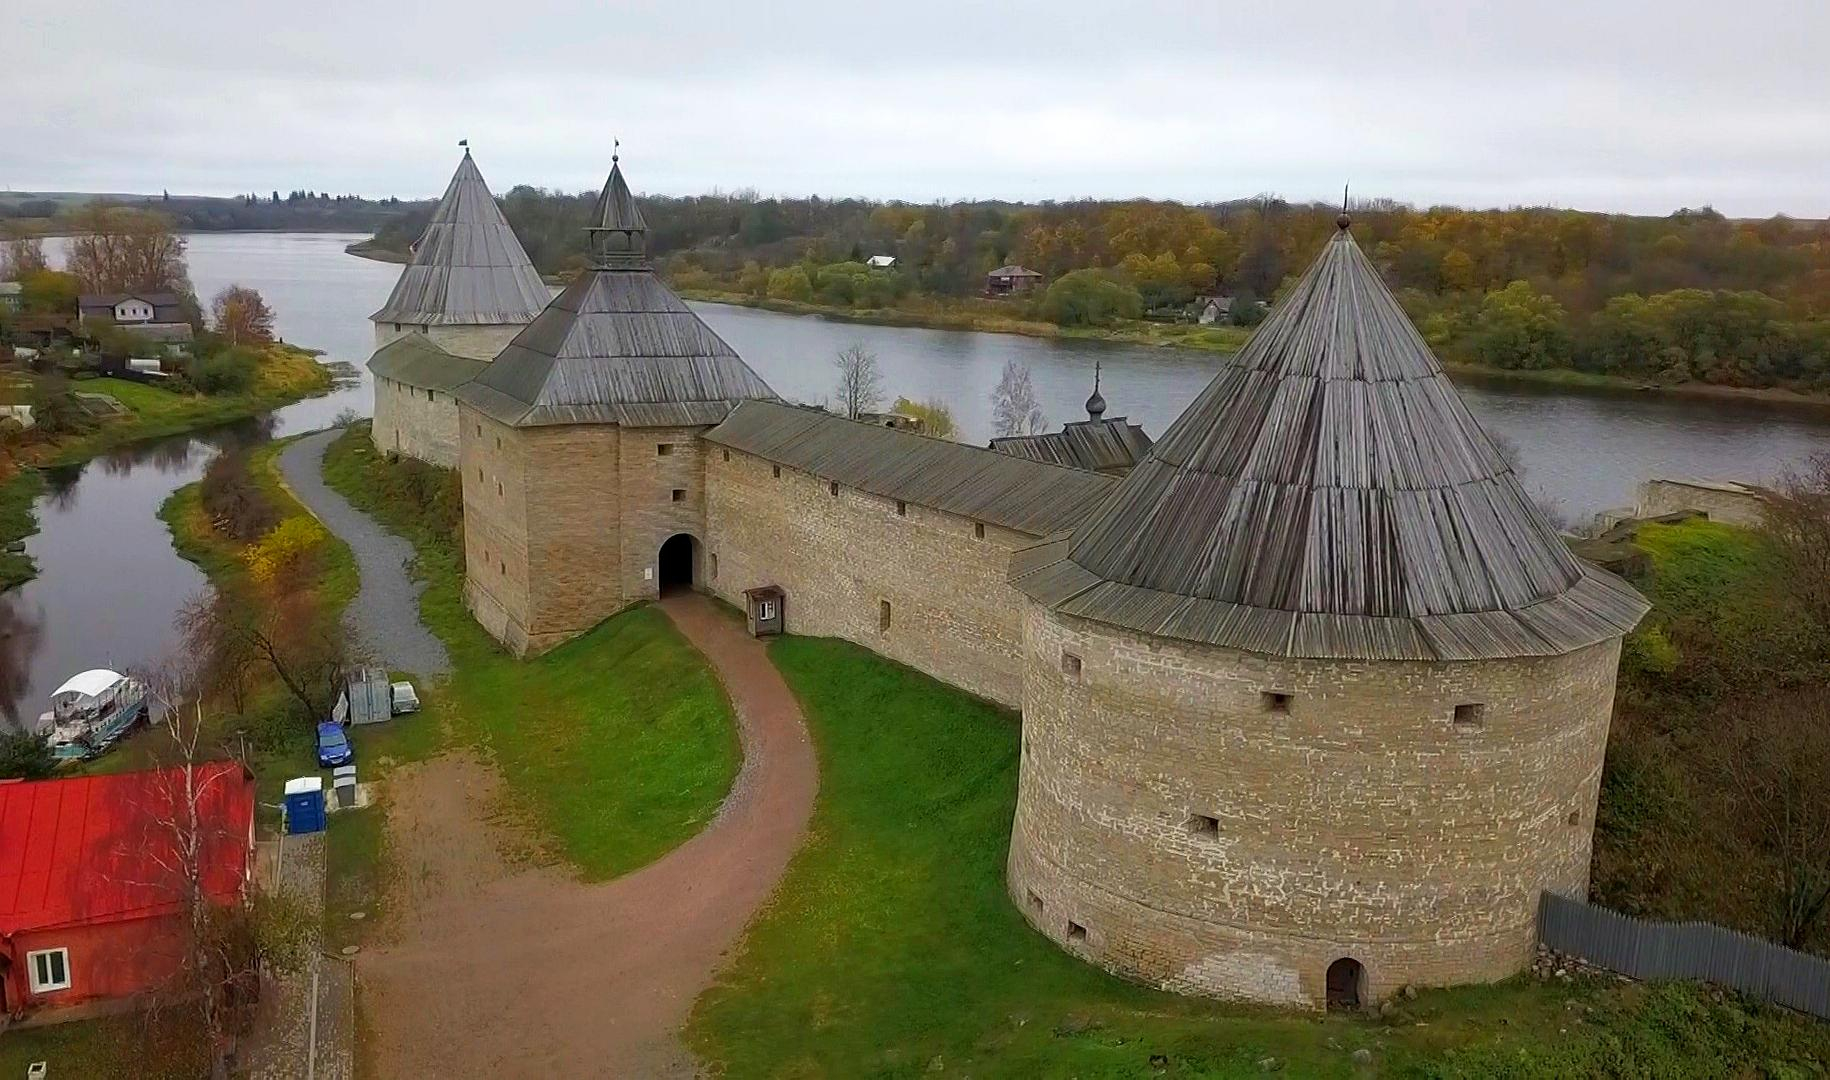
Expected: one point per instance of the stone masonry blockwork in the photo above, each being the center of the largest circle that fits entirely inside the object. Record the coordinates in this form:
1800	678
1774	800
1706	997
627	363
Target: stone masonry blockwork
953	614
1209	843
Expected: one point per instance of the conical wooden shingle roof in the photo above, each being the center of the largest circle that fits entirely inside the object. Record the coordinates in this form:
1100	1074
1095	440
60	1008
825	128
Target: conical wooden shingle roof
467	267
1329	495
618	346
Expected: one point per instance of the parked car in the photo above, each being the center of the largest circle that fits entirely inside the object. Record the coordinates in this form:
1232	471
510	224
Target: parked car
334	746
405	699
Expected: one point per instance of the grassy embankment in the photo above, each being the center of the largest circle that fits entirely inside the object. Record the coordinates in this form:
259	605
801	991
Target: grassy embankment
891	949
616	746
285	375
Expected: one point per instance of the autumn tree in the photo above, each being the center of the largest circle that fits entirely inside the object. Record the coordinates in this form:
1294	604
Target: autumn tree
279	629
935	416
117	249
1776	759
859	388
1015	408
1091	298
241	317
1796	525
24	257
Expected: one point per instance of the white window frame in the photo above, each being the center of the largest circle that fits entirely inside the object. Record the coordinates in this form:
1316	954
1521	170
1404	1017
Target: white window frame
31	970
765	610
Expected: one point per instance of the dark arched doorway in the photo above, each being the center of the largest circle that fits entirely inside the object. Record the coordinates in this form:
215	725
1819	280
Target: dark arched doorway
677	558
1344	978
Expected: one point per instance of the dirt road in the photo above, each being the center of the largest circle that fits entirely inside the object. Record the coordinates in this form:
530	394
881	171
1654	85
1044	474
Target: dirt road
498	970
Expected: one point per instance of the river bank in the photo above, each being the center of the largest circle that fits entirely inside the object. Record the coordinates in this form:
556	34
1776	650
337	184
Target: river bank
286	374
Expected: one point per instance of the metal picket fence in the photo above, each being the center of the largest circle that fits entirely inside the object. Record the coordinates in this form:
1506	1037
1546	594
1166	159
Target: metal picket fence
1645	949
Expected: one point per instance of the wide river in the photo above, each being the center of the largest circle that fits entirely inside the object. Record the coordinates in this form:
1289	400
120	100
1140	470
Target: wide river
109	583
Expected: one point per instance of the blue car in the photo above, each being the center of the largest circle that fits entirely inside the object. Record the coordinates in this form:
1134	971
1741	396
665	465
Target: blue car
334	746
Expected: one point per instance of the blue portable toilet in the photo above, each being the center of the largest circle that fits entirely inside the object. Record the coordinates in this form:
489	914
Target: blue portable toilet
305	805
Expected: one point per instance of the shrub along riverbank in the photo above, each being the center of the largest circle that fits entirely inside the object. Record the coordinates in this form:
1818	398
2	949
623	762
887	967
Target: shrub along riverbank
892	949
70	435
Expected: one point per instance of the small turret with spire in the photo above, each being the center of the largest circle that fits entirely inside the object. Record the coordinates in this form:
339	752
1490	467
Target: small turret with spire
1096	405
619	235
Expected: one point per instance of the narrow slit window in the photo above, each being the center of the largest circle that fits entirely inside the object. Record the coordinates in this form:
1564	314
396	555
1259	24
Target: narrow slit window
727	455
883	615
1070	666
1470	717
1575	817
714	566
834	488
498	442
679	494
902	508
663	449
1275	701
978	530
1035	902
1076	932
1204	825
775	471
499	488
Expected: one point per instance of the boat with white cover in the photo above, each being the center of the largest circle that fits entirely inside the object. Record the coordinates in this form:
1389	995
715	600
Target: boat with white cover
91	711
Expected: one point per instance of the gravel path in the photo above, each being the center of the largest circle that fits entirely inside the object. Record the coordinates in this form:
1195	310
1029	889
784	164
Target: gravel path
494	969
384	616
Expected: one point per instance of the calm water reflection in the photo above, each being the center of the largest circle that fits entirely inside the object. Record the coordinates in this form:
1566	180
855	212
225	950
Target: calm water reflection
109	582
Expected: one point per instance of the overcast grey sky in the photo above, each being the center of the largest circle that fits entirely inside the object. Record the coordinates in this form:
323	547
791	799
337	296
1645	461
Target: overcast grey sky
1636	106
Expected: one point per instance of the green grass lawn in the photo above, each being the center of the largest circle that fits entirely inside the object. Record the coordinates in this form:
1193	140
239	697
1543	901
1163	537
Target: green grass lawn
617	746
891	950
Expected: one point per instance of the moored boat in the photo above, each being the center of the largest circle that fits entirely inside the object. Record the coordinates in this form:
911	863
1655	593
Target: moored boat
91	711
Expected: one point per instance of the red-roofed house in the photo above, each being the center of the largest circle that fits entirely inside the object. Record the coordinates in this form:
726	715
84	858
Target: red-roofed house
91	889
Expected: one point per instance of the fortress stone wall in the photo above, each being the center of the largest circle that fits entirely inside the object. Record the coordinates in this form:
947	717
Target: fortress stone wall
840	557
414	422
1177	826
1730	503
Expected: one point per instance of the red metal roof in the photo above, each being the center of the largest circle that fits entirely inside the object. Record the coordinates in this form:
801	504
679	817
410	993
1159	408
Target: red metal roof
95	848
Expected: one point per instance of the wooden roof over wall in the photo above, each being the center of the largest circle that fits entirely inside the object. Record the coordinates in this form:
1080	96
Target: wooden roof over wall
969	481
1106	445
1329	495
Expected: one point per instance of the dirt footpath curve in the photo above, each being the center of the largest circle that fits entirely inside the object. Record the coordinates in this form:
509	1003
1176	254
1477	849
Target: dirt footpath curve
498	971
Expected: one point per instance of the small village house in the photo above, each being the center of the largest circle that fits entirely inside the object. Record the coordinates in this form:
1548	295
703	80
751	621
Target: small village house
153	315
881	262
11	293
1011	279
91	908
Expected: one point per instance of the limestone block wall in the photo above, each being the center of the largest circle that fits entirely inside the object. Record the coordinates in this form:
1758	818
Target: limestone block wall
1178	826
496	573
661	476
1732	504
479	342
415	422
541	529
841	557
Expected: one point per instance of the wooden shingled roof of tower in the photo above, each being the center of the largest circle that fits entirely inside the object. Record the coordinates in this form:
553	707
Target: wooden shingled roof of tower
467	267
1329	495
617	346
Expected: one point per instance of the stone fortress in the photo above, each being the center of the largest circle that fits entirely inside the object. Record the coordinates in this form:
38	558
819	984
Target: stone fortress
1314	701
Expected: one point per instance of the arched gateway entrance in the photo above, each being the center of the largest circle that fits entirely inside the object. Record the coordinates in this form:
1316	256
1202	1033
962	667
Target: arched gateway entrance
1344	979
678	562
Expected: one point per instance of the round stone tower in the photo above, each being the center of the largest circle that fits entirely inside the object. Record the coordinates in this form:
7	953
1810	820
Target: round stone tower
1316	705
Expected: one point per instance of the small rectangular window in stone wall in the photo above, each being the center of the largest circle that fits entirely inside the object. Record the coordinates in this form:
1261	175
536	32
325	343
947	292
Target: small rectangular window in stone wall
664	449
902	508
883	615
1204	825
1076	932
978	530
1470	717
714	573
1070	666
1275	701
775	471
834	486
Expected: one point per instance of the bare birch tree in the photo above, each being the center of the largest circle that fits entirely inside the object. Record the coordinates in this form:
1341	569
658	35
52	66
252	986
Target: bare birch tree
1015	408
860	386
1777	757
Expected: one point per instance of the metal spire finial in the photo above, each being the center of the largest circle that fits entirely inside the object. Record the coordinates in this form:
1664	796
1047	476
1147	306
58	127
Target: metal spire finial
615	145
1096	405
465	143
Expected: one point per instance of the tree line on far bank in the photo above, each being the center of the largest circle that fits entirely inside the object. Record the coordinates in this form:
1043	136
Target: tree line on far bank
1689	296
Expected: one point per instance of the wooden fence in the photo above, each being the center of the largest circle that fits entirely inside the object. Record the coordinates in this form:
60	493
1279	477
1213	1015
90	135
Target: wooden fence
1645	949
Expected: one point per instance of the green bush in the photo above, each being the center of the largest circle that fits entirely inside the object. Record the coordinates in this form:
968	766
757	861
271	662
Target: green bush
25	756
1091	298
229	371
